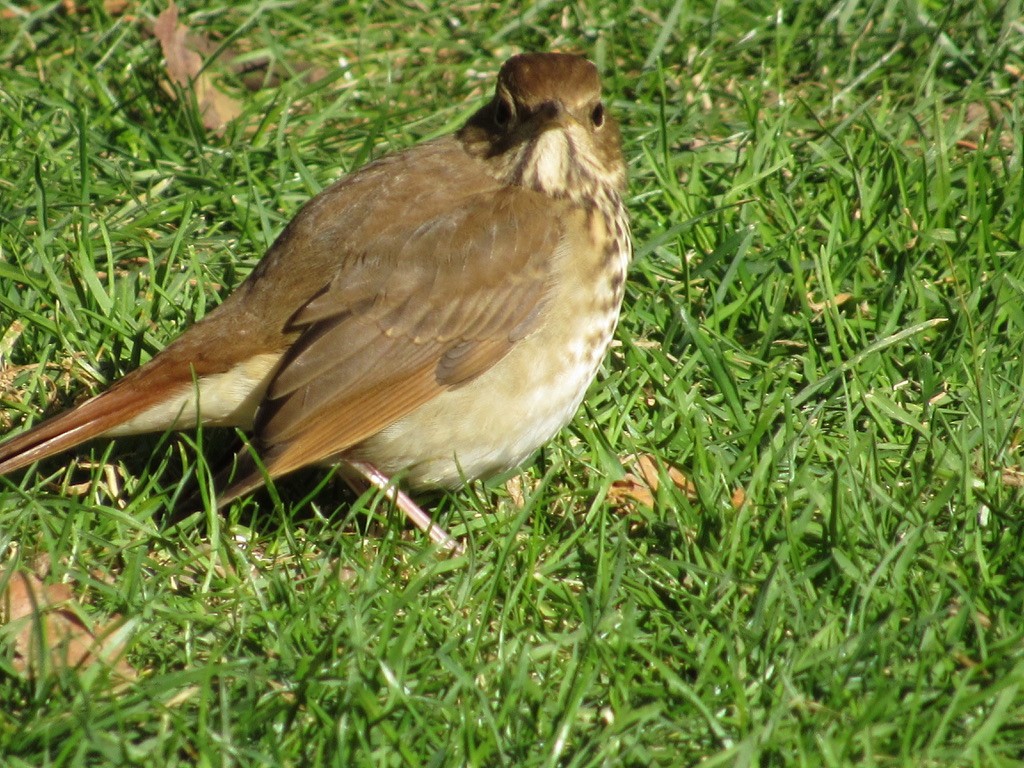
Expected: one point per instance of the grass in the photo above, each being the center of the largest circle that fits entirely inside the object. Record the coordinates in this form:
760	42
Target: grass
823	332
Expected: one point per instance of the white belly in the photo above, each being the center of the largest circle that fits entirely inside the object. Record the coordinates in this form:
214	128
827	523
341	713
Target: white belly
496	421
460	436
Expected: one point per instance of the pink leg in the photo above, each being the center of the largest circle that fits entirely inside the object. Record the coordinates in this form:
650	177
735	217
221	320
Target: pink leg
417	516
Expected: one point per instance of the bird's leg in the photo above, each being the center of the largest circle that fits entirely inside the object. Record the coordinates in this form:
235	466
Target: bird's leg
412	510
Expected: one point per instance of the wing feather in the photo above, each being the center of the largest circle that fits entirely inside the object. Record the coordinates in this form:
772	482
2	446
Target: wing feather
428	303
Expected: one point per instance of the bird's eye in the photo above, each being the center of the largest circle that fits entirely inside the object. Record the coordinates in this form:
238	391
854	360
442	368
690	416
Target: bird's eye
597	115
502	113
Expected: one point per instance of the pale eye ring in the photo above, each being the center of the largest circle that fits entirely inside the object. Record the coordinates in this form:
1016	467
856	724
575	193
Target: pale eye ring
597	115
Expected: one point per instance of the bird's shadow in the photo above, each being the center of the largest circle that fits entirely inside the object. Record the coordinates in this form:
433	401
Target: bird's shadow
186	470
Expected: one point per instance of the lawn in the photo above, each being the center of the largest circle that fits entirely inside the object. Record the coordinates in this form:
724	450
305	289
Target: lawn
784	529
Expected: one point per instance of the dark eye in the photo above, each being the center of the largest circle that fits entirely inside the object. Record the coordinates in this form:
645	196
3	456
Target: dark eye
597	115
502	113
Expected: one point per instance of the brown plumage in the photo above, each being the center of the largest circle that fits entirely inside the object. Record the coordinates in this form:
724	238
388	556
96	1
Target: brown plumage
435	316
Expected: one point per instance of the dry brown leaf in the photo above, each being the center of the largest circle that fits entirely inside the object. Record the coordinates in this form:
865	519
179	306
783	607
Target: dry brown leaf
739	496
838	300
185	67
113	7
644	483
514	486
182	63
631	488
48	633
648	468
964	660
1013	477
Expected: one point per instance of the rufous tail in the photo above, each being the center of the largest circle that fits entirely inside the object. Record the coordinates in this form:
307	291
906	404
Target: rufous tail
126	399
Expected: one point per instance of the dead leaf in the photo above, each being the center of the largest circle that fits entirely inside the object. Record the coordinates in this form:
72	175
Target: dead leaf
644	483
739	496
185	67
110	485
516	492
649	471
47	631
964	660
631	488
1013	477
819	306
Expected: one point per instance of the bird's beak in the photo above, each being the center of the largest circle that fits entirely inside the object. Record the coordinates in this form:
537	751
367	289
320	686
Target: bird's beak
552	115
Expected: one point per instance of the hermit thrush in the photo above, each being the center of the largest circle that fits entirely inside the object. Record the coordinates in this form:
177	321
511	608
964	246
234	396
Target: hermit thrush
432	318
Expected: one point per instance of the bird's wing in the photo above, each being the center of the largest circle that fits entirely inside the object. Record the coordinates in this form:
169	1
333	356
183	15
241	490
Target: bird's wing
425	305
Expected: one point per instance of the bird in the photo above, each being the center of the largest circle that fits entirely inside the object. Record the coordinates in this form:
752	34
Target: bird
427	320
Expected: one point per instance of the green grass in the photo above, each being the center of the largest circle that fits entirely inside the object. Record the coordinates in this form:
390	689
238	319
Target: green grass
823	331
